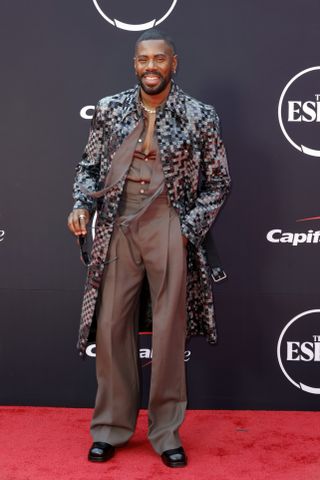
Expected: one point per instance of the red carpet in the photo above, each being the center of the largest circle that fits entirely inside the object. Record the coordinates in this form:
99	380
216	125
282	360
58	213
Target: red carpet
52	444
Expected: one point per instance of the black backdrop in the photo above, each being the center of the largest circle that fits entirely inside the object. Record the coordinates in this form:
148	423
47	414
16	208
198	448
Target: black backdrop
58	57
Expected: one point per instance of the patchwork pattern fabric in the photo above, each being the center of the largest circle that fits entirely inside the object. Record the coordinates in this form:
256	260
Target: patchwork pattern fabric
196	174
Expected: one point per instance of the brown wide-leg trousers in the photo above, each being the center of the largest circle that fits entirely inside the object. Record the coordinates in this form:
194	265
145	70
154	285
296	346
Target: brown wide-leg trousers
152	243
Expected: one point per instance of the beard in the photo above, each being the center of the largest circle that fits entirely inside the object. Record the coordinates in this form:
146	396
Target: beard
164	81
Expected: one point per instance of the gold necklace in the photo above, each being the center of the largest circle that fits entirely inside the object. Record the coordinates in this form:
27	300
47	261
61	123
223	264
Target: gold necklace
149	110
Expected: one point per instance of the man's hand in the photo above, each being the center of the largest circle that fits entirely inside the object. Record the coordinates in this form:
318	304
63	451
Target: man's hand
78	220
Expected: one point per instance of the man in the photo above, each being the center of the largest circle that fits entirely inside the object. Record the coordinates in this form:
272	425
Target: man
156	171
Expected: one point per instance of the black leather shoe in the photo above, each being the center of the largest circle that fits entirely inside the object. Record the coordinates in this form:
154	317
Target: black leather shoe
174	458
100	452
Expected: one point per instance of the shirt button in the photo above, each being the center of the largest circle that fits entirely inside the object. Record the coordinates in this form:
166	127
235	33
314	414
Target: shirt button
146	159
142	182
141	191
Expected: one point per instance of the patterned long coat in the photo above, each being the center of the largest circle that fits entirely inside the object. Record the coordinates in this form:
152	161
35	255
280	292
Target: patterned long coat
197	180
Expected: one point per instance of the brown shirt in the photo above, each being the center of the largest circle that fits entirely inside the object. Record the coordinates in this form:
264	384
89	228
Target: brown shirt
145	180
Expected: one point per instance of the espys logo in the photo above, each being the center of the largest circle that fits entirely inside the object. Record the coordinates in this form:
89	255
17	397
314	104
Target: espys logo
298	351
294	239
2	234
105	10
299	111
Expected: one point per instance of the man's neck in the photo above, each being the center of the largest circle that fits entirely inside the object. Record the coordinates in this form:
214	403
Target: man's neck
153	101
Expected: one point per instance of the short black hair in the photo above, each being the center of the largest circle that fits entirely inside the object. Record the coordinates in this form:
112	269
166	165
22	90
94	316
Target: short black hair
155	34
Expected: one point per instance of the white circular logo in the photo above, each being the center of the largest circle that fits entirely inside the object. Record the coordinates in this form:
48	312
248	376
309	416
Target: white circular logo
131	26
299	111
298	351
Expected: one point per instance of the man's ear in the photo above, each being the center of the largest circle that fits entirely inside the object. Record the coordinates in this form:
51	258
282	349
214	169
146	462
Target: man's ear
175	63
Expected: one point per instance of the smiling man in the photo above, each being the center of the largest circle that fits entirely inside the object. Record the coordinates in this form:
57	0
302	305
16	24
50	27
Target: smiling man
155	170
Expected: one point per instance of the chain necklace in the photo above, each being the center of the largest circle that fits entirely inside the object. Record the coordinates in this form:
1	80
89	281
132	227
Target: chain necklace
148	110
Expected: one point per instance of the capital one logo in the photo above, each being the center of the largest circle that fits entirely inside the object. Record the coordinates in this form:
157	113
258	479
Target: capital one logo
105	10
294	239
298	351
145	354
279	236
299	111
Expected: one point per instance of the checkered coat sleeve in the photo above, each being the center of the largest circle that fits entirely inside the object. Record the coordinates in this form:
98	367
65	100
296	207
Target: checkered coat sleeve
215	182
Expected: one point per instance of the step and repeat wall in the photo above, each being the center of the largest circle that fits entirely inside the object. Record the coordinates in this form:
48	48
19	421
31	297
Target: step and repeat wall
258	63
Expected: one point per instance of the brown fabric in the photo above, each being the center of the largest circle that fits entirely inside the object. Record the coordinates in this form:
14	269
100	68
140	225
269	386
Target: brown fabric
146	151
140	194
150	244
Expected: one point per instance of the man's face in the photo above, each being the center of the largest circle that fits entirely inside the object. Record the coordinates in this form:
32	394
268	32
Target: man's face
154	63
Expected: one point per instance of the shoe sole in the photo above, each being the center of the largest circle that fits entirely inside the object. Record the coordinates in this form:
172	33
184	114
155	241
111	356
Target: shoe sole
175	465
